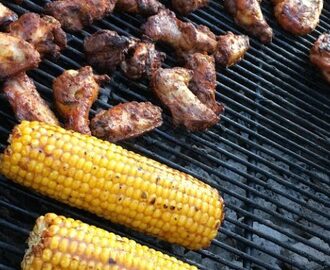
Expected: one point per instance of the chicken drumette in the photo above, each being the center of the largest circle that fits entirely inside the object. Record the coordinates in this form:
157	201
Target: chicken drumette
26	101
320	55
248	15
187	6
75	91
143	7
298	17
7	16
126	120
44	33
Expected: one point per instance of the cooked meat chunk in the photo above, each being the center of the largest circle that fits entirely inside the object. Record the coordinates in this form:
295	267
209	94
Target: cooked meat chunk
44	33
171	87
231	49
185	37
105	49
143	7
248	15
26	101
142	60
16	55
320	55
75	14
203	83
187	6
298	17
6	16
126	120
75	91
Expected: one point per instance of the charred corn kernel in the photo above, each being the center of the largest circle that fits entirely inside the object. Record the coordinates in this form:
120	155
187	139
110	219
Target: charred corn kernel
110	251
114	183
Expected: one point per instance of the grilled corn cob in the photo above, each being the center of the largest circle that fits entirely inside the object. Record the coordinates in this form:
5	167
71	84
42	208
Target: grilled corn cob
59	243
114	183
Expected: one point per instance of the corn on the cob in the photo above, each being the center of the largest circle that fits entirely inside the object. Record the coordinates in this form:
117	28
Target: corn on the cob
114	183
59	243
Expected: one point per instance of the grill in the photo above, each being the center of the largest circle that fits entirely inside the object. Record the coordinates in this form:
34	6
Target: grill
269	156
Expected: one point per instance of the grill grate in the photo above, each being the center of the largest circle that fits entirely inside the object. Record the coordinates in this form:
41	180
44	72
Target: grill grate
269	156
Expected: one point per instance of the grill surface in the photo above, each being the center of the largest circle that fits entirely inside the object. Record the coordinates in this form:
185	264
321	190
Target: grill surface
269	156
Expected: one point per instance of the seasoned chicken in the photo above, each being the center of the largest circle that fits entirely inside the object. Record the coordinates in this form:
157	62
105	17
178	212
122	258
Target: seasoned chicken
143	7
105	49
320	55
185	37
126	120
203	83
16	55
44	33
185	7
231	49
75	91
26	101
248	15
171	87
142	60
298	17
7	16
75	14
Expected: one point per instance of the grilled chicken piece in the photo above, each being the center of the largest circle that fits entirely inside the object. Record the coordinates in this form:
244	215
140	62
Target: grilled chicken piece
126	120
75	91
248	15
44	33
298	17
203	83
185	37
143	7
171	87
320	55
26	101
142	60
7	16
231	49
75	14
185	7
105	49
16	55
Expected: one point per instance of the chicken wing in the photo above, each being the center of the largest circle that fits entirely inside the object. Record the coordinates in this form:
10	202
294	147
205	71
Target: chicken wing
44	33
105	49
171	87
298	17
75	91
26	101
203	83
231	49
7	16
185	7
248	15
16	55
126	120
143	7
320	55
75	14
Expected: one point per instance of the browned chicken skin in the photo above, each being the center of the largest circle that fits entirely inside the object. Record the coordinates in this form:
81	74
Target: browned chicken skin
171	87
248	15
143	7
75	14
26	101
44	33
75	91
185	7
298	17
6	16
320	55
126	120
16	56
203	83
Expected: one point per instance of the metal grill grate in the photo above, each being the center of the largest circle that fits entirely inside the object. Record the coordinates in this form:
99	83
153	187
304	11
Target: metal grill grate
269	156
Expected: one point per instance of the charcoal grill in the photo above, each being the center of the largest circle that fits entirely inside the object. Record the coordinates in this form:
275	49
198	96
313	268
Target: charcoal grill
269	156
